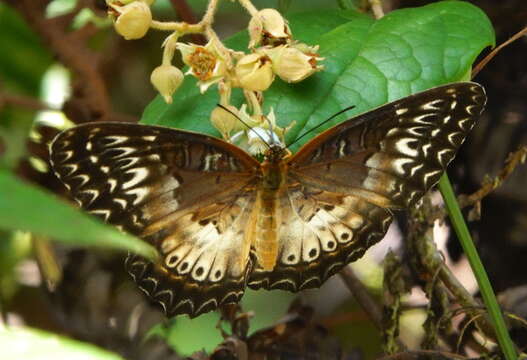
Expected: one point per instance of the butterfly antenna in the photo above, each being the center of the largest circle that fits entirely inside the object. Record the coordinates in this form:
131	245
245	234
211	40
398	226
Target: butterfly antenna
319	125
244	123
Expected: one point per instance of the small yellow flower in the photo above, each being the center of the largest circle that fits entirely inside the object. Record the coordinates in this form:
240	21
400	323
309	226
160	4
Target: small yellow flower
254	72
132	20
205	63
269	28
166	79
294	63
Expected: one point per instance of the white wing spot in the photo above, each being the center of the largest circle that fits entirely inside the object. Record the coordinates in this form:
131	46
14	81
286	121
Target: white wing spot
105	169
94	159
113	184
102	212
432	105
67	155
89	146
71	168
402	145
422	119
398	165
139	175
414	169
401	111
114	140
435	132
453	105
426	147
125	151
120	202
139	193
84	179
92	193
149	138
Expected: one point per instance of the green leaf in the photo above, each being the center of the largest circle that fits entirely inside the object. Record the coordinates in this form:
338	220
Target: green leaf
31	344
29	208
367	63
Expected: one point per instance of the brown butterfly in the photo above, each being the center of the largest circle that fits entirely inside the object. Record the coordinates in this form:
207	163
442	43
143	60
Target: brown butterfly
222	220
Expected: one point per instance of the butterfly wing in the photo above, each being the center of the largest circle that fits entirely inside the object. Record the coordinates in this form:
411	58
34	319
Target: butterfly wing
343	184
189	195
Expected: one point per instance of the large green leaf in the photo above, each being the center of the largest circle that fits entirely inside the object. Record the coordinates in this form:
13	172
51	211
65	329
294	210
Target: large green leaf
31	344
28	208
367	63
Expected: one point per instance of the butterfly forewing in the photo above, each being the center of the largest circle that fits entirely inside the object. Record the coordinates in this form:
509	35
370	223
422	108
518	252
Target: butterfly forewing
344	183
199	199
185	193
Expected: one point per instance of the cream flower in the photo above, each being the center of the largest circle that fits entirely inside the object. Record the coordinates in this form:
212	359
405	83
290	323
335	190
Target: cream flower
132	20
254	72
269	28
166	79
294	63
205	63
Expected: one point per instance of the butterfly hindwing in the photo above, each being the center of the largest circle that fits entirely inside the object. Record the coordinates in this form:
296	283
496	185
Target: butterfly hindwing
320	233
357	172
182	192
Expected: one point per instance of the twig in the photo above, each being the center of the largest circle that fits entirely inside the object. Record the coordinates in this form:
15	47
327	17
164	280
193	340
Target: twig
24	102
186	14
418	354
494	52
513	160
361	294
71	52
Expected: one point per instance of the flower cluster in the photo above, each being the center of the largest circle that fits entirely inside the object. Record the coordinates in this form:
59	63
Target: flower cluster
272	53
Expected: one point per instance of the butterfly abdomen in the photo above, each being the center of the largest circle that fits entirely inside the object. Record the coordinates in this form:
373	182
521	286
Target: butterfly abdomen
269	217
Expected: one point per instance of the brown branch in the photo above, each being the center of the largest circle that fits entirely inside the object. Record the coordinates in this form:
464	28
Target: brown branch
23	102
513	160
362	296
74	54
420	354
494	52
186	14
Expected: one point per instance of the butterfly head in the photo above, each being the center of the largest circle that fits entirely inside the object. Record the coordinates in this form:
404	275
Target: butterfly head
276	153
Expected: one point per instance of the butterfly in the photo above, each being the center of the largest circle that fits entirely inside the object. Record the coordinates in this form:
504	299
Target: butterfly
222	221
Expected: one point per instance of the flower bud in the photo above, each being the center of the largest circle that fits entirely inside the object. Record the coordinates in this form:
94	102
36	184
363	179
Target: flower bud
225	121
133	20
293	65
269	28
166	79
254	72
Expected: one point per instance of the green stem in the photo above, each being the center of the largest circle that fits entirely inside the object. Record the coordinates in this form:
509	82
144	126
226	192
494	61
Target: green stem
485	288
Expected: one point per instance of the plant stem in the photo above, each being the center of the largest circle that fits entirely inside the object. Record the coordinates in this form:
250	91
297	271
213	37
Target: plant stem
487	293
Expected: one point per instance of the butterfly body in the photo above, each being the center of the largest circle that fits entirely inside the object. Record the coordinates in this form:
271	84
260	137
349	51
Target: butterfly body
223	221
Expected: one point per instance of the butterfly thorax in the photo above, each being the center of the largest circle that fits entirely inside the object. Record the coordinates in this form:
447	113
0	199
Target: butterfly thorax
268	218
